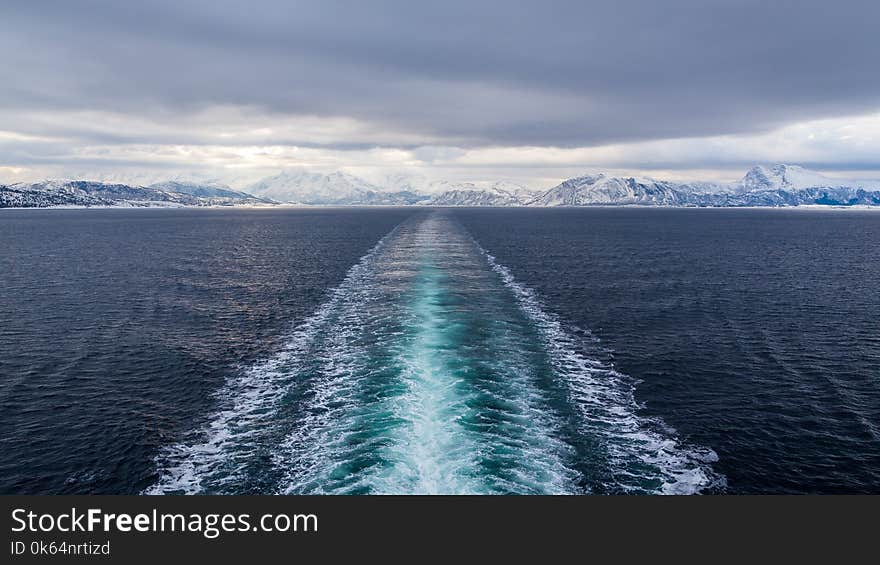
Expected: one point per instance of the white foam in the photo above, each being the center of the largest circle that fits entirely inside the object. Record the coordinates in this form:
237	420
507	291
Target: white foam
424	446
608	409
250	398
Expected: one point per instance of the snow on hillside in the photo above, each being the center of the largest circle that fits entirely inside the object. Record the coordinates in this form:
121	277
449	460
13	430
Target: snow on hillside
306	187
604	190
204	190
56	192
793	177
774	185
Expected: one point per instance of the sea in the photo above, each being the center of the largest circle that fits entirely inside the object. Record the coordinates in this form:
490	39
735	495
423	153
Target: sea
439	351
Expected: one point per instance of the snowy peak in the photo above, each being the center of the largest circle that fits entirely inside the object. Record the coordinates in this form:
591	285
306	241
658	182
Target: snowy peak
501	193
784	177
514	190
760	178
409	182
600	189
306	187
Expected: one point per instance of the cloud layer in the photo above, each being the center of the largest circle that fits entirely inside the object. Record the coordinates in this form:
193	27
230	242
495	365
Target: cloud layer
637	85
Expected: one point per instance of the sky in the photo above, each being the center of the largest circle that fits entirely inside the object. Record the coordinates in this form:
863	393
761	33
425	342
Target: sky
531	92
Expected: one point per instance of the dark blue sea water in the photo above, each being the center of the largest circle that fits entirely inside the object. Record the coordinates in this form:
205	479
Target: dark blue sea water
439	351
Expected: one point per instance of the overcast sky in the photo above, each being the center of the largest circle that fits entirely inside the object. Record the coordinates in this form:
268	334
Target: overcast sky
472	90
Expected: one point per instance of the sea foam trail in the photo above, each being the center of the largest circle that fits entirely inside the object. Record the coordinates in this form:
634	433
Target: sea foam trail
424	411
430	370
641	456
221	456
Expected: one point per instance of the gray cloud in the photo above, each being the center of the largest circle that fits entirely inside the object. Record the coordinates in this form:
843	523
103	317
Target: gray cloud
471	73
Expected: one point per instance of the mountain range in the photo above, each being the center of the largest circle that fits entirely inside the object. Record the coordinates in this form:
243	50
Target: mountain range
53	193
776	185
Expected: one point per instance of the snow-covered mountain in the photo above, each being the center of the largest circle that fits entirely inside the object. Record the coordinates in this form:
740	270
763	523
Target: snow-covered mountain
304	187
792	185
501	193
776	185
784	177
473	197
521	193
90	193
204	190
405	182
307	187
598	190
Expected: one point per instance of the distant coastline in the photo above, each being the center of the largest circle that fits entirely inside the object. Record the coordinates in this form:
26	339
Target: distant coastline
776	186
294	206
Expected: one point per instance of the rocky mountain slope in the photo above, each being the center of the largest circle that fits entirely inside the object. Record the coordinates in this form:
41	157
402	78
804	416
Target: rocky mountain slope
88	193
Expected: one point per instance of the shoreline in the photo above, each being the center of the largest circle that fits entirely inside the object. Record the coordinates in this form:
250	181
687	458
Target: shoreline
805	207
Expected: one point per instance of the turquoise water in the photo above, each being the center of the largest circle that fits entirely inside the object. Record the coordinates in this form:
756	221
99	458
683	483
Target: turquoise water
431	370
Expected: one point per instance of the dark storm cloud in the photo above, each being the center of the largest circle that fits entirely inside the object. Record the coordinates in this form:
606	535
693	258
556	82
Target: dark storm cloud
510	73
